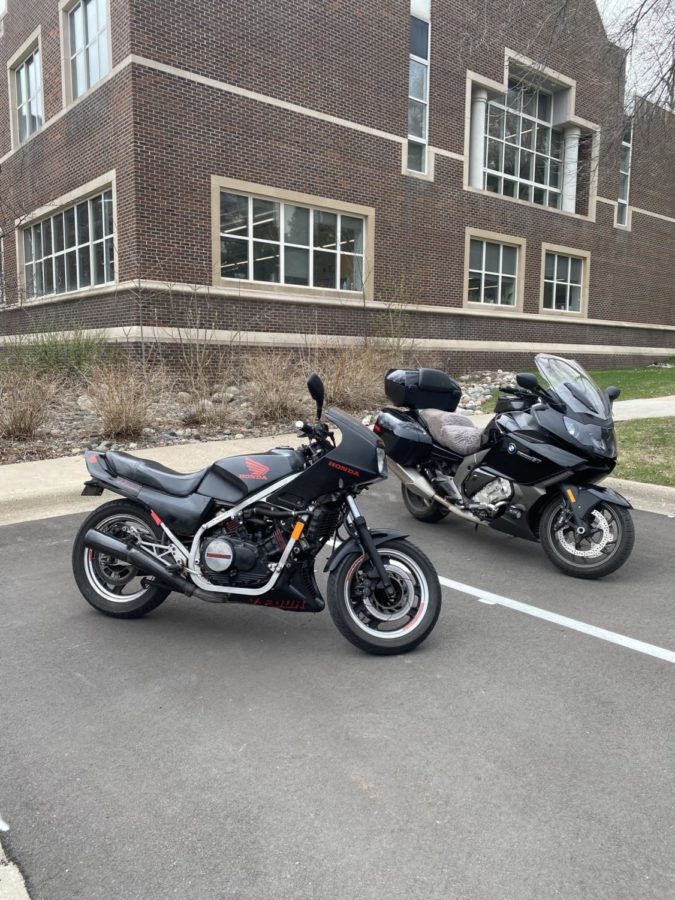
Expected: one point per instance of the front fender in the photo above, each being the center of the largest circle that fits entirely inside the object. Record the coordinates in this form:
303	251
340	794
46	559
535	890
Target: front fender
582	498
379	535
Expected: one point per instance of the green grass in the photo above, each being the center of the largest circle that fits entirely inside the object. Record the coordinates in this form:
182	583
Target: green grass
69	354
647	450
637	384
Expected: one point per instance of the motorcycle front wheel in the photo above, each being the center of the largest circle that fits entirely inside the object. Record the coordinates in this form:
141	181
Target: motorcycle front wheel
369	619
605	547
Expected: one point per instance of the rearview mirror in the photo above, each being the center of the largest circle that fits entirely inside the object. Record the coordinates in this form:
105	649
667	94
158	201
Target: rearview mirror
612	393
528	382
316	390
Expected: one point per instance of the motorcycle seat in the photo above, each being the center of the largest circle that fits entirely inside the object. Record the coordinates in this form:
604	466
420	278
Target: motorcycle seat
452	431
153	474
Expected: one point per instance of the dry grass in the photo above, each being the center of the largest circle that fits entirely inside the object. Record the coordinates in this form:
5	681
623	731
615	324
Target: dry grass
273	385
25	398
122	395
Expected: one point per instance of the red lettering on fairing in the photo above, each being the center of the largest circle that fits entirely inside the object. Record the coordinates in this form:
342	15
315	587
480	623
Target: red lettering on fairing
346	469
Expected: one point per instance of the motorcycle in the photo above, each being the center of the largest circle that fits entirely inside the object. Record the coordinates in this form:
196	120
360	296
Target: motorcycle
248	529
533	472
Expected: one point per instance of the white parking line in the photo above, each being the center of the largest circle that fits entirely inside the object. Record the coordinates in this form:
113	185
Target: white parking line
592	630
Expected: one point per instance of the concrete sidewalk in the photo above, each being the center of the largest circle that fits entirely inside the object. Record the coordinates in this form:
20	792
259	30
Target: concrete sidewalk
52	487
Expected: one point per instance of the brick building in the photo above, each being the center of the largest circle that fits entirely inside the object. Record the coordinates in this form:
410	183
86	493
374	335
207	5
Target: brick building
281	169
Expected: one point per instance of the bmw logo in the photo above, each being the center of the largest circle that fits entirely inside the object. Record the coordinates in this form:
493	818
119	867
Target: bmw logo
511	448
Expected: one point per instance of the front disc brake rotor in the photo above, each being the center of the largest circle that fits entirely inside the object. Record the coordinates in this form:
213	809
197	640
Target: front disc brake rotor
595	549
379	607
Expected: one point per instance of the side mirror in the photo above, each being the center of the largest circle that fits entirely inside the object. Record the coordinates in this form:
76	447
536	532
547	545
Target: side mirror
612	393
317	392
528	382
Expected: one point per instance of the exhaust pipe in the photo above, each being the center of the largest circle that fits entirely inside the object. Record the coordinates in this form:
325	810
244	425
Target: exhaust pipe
140	559
419	484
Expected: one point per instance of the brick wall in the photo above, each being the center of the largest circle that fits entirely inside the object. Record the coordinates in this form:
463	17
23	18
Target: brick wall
166	136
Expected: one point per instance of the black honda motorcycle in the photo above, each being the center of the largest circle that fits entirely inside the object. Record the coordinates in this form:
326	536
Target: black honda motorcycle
533	472
248	529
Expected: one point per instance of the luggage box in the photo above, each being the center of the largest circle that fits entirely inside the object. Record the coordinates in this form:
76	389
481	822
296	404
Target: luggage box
422	389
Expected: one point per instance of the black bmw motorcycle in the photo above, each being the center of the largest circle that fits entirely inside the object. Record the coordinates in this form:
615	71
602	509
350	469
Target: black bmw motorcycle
533	472
248	529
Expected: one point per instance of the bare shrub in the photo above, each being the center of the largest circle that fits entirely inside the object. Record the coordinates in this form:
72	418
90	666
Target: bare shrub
25	398
122	396
273	384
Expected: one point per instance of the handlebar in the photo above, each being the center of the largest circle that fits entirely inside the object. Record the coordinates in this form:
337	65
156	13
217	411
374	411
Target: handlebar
318	432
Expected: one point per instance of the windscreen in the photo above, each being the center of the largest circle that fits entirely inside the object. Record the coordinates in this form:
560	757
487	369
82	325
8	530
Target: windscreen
573	385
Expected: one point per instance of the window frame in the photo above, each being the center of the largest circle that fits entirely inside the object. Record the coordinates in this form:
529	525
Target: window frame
22	55
414	139
501	103
320	204
574	253
68	201
622	203
509	240
66	7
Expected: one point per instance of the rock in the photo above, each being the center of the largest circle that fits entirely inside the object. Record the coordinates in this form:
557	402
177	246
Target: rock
239	437
132	446
148	430
183	397
366	420
218	398
233	390
85	403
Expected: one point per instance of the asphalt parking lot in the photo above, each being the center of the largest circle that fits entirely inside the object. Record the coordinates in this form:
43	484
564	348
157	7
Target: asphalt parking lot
233	752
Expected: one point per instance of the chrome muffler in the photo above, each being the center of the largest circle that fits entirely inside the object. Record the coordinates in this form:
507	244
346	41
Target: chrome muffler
419	484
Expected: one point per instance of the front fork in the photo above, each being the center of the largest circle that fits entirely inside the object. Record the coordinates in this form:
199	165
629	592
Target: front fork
361	528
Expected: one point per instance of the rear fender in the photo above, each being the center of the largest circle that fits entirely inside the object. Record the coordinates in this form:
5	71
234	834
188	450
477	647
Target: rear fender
353	545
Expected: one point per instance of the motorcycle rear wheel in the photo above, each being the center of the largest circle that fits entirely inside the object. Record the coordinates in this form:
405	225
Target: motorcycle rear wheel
112	586
367	618
420	508
608	546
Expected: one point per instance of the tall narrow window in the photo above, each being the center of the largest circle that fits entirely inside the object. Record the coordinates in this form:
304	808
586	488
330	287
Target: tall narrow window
28	85
88	44
523	152
418	93
624	175
3	7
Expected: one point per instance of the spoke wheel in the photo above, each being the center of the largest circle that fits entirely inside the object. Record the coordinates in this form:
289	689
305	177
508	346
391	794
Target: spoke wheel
113	586
364	613
605	545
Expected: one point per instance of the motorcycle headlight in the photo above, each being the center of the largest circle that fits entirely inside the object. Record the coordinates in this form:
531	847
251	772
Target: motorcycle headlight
600	439
381	461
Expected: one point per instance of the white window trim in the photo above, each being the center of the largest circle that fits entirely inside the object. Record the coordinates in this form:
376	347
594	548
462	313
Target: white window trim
585	256
96	186
267	192
520	244
34	42
65	8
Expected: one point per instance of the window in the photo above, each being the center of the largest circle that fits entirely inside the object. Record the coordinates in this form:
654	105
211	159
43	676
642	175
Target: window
563	280
624	176
266	240
28	95
523	152
418	95
87	45
493	273
72	249
3	7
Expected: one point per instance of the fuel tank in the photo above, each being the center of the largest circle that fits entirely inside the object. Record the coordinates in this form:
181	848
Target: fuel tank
235	477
